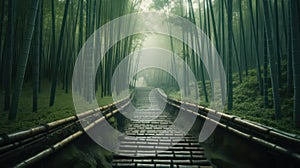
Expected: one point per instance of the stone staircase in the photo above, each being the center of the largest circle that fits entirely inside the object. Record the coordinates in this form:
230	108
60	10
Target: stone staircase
152	141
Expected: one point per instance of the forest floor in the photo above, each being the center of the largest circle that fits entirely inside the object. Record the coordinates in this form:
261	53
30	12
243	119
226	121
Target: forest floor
249	104
26	119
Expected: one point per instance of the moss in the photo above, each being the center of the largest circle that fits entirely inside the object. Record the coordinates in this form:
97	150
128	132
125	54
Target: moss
62	108
83	153
249	104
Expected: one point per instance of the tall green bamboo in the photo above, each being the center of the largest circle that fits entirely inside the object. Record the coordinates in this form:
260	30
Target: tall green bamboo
87	19
201	63
1	27
23	60
214	25
256	48
242	34
223	33
235	50
53	47
80	38
285	24
237	59
210	61
272	61
277	53
36	63
266	94
230	91
41	41
59	50
9	56
72	50
296	59
290	49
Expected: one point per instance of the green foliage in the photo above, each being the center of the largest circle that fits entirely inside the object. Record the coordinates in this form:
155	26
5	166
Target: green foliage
27	119
248	103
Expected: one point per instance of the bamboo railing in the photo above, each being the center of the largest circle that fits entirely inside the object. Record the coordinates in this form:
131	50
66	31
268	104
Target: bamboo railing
27	139
275	140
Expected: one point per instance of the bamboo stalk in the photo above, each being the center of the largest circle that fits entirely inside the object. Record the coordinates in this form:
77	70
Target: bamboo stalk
34	141
4	139
250	137
64	142
265	132
49	150
14	140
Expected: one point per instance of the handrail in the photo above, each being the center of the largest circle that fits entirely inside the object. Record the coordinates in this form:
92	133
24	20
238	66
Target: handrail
265	131
280	141
24	138
268	137
48	151
5	139
263	142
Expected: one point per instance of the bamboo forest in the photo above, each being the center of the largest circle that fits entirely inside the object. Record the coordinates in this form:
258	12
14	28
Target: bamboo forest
150	83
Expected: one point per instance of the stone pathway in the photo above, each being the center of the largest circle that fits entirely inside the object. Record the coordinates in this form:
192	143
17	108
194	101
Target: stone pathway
154	143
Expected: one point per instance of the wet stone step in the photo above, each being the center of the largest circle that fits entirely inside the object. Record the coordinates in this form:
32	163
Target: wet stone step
143	160
145	165
123	165
156	143
162	161
163	165
191	166
181	161
201	162
123	161
162	157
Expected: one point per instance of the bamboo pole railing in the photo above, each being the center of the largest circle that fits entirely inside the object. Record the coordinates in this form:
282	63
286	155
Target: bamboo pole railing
282	142
65	142
24	139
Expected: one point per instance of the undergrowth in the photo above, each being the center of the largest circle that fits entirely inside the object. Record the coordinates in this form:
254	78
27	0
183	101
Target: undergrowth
248	103
26	119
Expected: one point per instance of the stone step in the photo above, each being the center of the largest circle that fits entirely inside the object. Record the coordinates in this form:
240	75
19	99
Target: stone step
156	143
171	156
160	143
160	139
160	166
179	160
166	163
